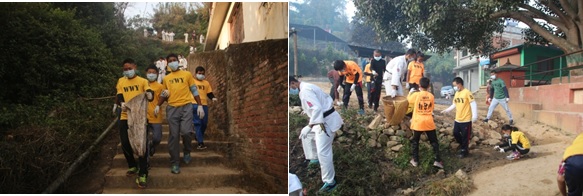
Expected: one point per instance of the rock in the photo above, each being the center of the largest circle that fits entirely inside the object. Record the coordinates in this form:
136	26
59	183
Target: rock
375	122
472	145
493	124
492	142
454	145
400	133
460	174
339	133
394	138
494	135
383	139
372	143
442	130
409	191
396	127
475	139
389	131
408	133
341	139
397	148
392	143
295	109
450	138
440	173
423	137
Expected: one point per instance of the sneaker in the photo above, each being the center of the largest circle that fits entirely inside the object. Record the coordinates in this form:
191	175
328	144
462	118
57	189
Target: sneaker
187	158
201	147
413	163
314	162
361	111
141	181
513	156
462	154
175	169
132	171
511	122
485	120
328	187
438	164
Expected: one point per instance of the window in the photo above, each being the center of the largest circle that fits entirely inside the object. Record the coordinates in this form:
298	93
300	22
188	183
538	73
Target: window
465	52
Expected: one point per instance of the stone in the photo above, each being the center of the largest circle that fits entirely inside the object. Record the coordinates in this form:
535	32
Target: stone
454	145
396	127
339	133
408	133
400	133
372	143
475	139
397	148
494	135
492	142
392	143
492	124
375	122
394	138
423	137
442	130
409	191
472	145
460	174
296	109
390	131
383	139
450	138
440	173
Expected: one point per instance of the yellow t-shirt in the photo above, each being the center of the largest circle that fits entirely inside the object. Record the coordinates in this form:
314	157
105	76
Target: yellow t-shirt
130	88
178	84
351	70
157	88
411	101
463	110
367	70
518	136
422	111
204	88
415	70
574	149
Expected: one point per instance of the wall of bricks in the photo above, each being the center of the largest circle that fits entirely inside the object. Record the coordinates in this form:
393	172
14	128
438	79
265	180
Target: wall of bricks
250	80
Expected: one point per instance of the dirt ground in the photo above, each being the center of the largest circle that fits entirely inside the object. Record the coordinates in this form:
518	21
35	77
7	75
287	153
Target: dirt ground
491	173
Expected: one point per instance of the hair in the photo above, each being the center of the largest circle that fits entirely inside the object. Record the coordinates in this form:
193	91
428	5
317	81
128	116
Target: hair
152	67
458	80
199	68
493	71
420	55
339	65
293	79
509	127
377	51
171	55
424	82
128	60
411	51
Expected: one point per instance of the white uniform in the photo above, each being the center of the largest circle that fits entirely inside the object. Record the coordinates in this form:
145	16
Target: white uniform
183	63
294	185
161	70
395	70
314	103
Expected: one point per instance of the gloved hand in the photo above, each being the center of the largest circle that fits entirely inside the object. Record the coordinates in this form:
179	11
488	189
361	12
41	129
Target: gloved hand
496	147
507	99
443	111
149	95
156	111
407	85
339	89
215	99
489	99
305	132
339	103
392	93
124	107
165	93
501	150
352	87
200	112
374	73
474	119
114	108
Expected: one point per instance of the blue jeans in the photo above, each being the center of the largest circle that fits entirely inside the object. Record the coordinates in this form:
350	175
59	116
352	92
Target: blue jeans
200	124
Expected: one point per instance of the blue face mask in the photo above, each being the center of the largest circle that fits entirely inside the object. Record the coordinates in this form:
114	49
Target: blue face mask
294	91
152	77
173	65
129	73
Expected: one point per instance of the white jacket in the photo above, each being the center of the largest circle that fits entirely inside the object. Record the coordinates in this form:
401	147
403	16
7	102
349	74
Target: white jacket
395	70
315	102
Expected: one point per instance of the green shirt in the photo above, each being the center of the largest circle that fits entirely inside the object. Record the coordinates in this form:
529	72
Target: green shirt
498	85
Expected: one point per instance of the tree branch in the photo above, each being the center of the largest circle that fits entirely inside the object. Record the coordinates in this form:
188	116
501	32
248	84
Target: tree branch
558	11
557	21
568	7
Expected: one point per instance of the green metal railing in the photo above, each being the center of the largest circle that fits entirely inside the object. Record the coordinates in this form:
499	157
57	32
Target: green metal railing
561	69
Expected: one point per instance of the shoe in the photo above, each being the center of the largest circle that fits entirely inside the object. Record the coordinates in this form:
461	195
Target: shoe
511	122
141	181
328	187
187	158
438	164
152	151
314	162
485	120
413	163
132	171
513	156
361	111
201	147
175	169
462	154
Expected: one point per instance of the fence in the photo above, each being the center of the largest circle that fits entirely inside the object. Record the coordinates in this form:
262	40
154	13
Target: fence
545	76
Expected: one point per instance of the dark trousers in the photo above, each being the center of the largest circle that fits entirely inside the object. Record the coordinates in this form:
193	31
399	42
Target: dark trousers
368	94
200	124
574	175
347	93
332	89
128	152
463	133
376	93
432	136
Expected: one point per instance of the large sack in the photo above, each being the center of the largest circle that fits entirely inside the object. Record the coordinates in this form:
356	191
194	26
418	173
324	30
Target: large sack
137	123
395	109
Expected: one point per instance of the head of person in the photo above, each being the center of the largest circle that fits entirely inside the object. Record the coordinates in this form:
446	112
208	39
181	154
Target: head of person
377	55
294	84
339	65
458	84
424	83
489	81
507	129
420	57
172	60
199	73
411	54
493	74
129	68
152	73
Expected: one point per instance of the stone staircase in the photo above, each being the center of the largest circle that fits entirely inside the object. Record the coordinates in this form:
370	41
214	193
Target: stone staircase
207	173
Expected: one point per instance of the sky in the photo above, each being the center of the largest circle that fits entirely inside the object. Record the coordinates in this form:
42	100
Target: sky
141	8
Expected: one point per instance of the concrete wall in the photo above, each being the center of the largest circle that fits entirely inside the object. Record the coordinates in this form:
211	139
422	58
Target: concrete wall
250	81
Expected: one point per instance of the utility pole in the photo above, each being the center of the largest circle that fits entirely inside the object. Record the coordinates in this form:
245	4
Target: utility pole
295	34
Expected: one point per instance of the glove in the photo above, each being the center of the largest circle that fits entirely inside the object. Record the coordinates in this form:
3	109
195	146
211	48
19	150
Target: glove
496	147
165	94
114	108
124	107
339	103
392	93
502	150
407	85
215	99
374	73
489	99
507	99
474	119
339	89
305	132
156	111
352	87
200	112
149	95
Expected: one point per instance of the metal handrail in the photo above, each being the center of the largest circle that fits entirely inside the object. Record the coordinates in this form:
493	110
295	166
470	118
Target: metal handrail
560	69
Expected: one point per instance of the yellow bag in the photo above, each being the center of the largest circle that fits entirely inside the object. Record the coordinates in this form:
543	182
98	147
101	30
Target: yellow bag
395	109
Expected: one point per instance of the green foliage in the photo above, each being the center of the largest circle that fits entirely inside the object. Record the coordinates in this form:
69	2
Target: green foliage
181	17
363	34
440	67
294	100
425	167
448	186
312	62
326	14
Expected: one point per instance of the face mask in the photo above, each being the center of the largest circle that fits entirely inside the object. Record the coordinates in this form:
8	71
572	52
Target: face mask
294	91
455	88
151	77
173	65
199	76
493	77
129	73
506	135
377	58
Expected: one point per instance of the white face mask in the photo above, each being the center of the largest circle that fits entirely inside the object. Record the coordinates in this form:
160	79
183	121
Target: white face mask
173	65
493	77
455	88
506	135
377	58
199	76
151	77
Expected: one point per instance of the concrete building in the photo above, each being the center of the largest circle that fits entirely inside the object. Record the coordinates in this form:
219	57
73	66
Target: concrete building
243	22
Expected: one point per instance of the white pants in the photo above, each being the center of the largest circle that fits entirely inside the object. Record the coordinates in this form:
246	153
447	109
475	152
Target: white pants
309	145
324	152
389	89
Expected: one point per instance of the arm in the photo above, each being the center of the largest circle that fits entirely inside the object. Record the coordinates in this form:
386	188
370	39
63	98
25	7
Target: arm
194	92
409	67
314	108
474	108
491	92
450	108
396	74
210	95
561	180
506	92
357	77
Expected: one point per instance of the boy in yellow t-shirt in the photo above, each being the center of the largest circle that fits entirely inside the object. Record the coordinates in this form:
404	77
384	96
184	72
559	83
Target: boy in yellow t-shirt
205	92
154	121
422	122
353	79
415	71
128	87
466	112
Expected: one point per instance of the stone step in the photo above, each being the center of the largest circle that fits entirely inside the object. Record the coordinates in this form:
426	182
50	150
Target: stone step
189	177
571	122
193	190
213	146
162	159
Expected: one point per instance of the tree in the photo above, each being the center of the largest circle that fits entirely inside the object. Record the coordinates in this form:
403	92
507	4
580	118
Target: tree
441	25
326	14
440	67
364	35
180	18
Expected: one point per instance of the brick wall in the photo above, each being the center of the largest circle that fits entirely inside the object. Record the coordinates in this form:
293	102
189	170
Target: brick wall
250	80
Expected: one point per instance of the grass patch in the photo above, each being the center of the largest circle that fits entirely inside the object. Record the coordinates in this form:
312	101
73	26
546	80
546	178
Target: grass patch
448	186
